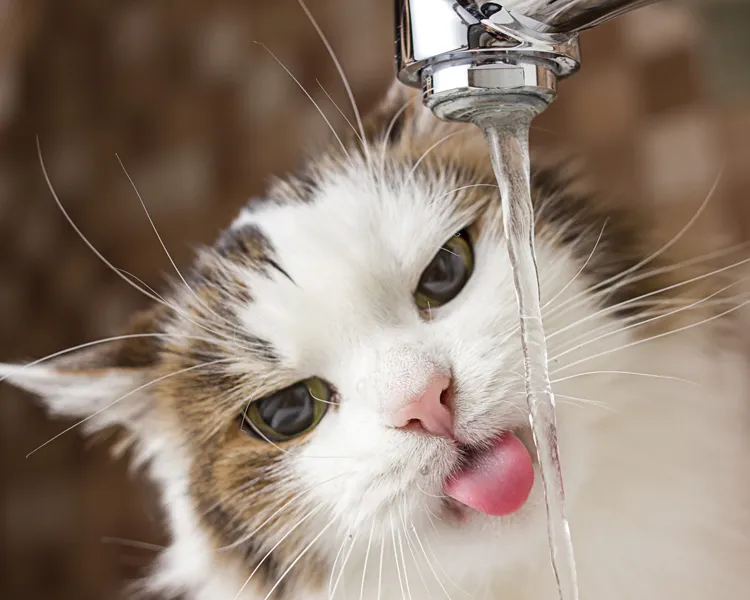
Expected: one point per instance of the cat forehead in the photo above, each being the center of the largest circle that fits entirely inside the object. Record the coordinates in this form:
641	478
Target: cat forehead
348	257
354	215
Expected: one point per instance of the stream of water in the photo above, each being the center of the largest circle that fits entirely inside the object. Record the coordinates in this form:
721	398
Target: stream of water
507	132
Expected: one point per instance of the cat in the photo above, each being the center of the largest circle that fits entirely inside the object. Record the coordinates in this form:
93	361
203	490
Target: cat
331	401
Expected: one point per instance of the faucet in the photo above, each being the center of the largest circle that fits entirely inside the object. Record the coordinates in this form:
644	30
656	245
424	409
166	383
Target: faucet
471	56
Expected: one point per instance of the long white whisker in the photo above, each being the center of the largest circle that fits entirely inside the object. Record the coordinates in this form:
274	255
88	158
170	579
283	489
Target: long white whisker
654	337
428	494
130	393
380	568
343	565
132	543
99	255
442	140
395	559
78	231
429	564
630	301
367	558
283	507
411	551
340	70
634	373
674	239
585	264
117	338
309	97
341	112
388	131
276	545
577	401
648	274
336	562
164	246
296	560
466	187
280	449
437	561
642	322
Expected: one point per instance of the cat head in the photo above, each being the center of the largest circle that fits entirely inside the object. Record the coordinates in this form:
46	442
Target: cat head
348	346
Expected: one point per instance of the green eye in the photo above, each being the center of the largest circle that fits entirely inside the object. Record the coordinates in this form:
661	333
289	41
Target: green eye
447	274
289	412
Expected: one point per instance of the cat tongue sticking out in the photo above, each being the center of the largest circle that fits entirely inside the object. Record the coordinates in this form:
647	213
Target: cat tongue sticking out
497	481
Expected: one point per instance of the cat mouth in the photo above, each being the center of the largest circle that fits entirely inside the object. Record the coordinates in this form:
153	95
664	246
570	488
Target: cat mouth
494	479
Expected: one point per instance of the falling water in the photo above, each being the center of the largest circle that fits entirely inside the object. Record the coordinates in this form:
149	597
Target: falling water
507	131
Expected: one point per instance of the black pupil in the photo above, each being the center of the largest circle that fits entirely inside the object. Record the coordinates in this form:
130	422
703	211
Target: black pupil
444	277
288	412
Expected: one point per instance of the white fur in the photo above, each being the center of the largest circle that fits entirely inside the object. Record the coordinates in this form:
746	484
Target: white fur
657	478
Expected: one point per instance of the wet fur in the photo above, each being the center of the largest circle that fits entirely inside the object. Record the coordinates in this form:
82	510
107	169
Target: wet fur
317	279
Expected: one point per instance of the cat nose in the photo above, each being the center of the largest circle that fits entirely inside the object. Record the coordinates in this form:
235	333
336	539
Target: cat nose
427	410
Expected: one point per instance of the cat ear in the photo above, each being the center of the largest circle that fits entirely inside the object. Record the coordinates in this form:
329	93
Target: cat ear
103	383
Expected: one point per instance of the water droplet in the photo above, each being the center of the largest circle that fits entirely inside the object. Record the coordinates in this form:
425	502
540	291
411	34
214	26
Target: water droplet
425	470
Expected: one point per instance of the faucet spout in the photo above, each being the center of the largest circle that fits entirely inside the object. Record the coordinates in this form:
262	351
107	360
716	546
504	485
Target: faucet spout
468	55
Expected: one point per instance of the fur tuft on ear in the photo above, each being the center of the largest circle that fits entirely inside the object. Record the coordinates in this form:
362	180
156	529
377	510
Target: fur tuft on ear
103	383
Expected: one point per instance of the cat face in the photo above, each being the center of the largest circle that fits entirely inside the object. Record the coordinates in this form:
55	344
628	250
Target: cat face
348	354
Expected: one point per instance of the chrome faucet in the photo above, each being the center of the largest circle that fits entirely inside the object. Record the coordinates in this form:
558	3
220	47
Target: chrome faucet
470	55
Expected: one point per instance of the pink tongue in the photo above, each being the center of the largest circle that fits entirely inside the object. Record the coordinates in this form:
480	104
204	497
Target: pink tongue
497	482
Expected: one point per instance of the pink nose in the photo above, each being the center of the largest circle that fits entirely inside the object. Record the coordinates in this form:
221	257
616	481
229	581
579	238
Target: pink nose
428	410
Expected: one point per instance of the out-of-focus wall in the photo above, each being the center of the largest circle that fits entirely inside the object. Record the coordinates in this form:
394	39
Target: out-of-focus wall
201	116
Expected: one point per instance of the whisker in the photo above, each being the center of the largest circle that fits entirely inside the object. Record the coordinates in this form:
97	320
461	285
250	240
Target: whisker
644	321
309	97
634	373
78	231
403	562
429	564
340	69
380	568
296	560
442	140
164	246
617	281
438	563
585	401
276	545
294	498
653	256
117	338
428	494
389	130
132	543
654	337
673	286
466	187
411	551
449	252
395	559
341	112
367	558
336	562
130	393
99	255
585	264
343	565
280	449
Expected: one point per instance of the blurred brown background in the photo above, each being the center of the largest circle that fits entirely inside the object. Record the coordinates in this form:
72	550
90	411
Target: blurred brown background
201	117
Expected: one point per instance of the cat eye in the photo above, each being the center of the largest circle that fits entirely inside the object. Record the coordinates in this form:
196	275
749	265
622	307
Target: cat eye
288	413
447	274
